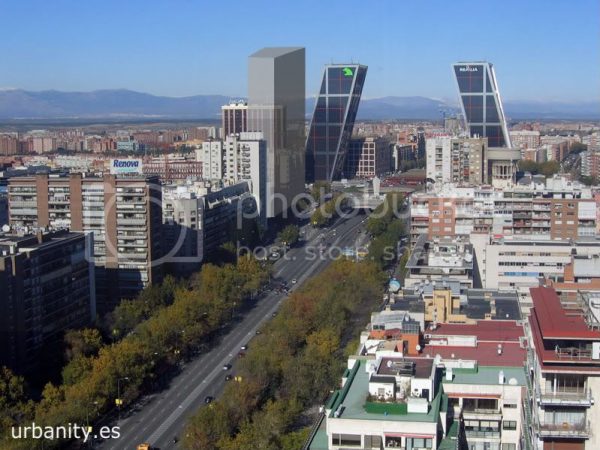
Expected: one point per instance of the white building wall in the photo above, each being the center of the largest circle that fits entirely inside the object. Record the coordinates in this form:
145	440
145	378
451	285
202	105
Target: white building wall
438	157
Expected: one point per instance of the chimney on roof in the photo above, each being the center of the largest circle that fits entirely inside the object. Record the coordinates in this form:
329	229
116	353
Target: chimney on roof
501	377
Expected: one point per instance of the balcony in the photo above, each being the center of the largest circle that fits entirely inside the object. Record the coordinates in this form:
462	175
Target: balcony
564	430
482	434
522	214
565	397
23	203
121	222
573	353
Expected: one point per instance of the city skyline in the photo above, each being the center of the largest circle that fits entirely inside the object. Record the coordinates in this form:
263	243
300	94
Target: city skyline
392	49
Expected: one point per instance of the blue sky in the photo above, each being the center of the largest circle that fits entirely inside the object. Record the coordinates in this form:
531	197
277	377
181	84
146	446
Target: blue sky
542	50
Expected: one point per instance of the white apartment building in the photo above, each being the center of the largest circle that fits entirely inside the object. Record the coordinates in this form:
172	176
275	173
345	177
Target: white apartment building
456	159
559	208
521	263
211	155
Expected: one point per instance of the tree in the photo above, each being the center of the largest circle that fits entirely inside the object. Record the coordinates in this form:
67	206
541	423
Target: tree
83	342
318	218
289	235
589	181
578	147
549	168
14	405
319	190
527	165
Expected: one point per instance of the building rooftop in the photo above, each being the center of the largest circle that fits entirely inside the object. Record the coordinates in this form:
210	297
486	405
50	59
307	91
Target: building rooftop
485	353
440	253
15	243
353	398
553	321
484	330
421	368
274	52
488	375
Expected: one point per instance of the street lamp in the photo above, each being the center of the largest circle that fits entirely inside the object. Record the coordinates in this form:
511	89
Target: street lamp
119	401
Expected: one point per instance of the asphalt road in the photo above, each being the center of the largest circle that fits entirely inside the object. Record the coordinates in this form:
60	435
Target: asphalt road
162	416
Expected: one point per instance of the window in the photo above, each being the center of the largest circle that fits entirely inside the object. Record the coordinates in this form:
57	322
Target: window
510	405
509	425
373	441
418	443
350	440
509	446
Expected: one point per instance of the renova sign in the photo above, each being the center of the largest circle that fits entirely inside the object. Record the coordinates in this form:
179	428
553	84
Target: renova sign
119	166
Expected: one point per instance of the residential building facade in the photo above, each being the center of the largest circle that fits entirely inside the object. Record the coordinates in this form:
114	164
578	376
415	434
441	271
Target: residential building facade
47	285
123	212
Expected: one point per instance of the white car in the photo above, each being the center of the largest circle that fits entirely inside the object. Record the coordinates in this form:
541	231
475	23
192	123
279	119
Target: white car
294	281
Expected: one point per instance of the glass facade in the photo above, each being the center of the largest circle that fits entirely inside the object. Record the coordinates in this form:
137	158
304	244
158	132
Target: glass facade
480	102
333	121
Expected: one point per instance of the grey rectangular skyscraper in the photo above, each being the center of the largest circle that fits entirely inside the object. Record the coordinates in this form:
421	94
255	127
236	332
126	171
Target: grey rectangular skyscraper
333	120
481	103
276	106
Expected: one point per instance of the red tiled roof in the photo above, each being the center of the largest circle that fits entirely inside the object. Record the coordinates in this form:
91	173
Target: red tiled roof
548	359
552	319
484	330
486	353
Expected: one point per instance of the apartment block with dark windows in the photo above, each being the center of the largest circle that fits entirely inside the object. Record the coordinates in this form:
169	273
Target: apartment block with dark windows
47	285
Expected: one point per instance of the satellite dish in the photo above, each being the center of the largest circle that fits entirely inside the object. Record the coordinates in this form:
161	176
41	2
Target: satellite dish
389	364
512	381
6	228
418	347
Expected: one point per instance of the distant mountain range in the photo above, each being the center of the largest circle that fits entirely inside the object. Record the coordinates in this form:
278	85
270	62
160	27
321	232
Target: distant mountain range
126	104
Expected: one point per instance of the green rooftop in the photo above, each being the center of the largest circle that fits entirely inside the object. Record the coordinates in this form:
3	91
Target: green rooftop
353	397
487	375
383	408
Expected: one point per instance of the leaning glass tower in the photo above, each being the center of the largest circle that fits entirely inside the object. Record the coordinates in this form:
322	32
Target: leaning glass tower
480	102
333	120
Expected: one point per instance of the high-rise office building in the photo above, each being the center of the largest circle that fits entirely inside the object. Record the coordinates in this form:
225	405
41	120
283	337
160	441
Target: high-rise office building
47	287
123	212
234	118
333	120
276	105
481	103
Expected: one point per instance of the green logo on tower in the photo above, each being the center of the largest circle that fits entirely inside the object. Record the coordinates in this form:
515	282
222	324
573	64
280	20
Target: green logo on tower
348	72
